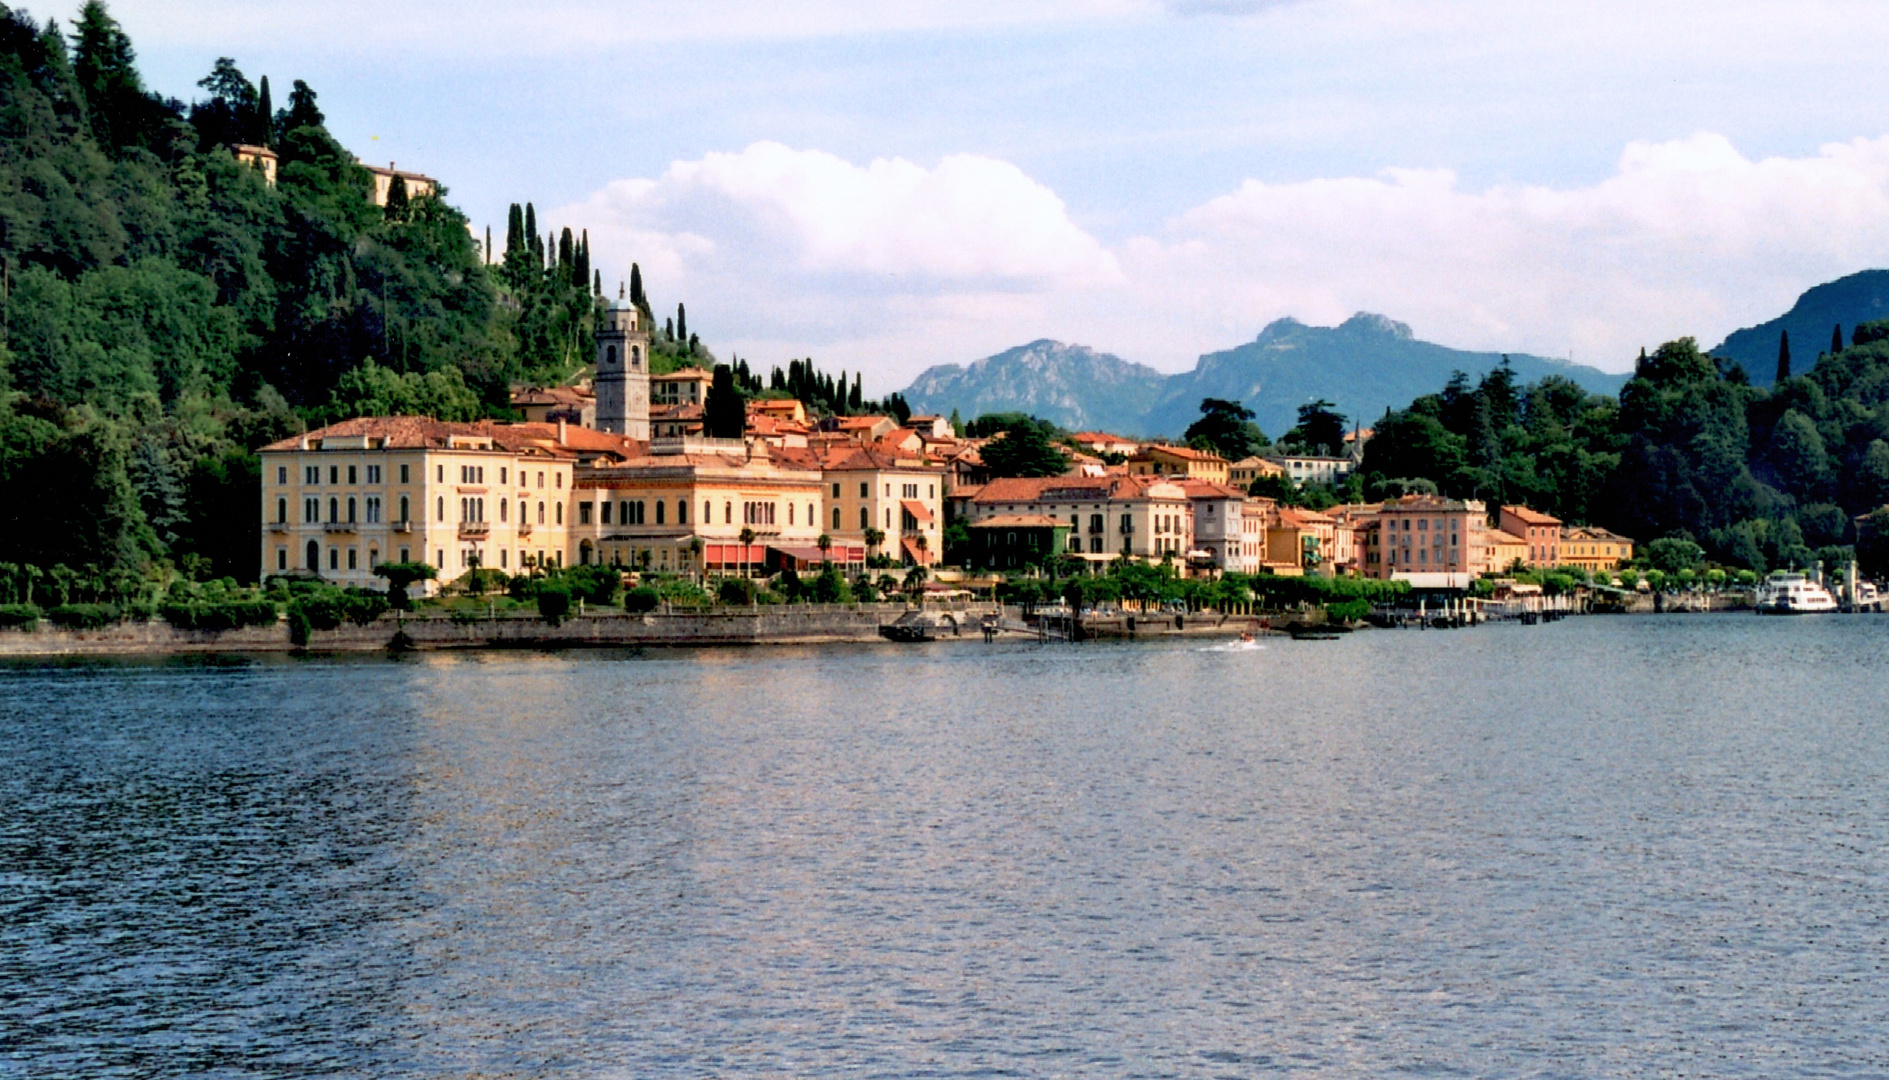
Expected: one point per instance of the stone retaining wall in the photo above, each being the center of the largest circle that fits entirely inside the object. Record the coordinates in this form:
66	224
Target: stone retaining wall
785	624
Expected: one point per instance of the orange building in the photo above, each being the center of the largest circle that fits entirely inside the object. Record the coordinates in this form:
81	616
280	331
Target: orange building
1541	532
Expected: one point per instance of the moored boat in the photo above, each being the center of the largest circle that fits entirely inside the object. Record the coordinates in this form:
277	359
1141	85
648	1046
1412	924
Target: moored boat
1786	593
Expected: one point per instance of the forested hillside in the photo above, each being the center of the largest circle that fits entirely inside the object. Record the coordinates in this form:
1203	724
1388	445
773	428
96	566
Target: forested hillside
164	311
1760	478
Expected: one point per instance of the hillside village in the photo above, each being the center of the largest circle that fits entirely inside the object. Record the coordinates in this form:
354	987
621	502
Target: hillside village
620	471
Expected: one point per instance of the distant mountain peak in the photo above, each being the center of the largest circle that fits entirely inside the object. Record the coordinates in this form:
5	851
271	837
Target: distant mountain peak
1365	322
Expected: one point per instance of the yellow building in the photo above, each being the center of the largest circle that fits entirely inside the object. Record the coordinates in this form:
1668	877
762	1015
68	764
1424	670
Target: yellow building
683	386
683	509
1505	550
341	500
1140	517
1594	549
419	186
873	487
1243	472
1156	460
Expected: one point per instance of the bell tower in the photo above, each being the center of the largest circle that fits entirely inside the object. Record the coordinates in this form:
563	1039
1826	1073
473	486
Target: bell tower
622	382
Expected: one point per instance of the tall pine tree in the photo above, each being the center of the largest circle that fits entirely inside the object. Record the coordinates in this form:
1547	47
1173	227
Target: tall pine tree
636	284
1784	356
1836	339
264	133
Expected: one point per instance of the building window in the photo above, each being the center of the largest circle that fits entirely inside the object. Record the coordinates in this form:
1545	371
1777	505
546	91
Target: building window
836	518
373	474
282	474
403	509
790	513
583	515
503	473
660	507
439	511
334	509
353	475
354	558
682	511
559	507
311	474
351	518
334	558
313	557
541	513
282	511
405	476
603	512
406	554
863	490
836	490
373	558
865	519
373	509
281	558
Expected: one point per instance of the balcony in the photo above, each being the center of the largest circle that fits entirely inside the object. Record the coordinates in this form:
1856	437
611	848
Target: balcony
339	527
278	526
471	529
524	528
403	526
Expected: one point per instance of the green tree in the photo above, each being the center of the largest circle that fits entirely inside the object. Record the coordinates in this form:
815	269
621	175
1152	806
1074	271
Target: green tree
1784	356
1320	430
725	410
1024	450
1227	429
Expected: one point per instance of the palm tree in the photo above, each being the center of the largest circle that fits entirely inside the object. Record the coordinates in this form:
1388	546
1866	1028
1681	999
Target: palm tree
747	537
874	537
695	549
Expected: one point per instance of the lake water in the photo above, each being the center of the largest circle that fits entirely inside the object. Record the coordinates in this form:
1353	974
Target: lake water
1601	847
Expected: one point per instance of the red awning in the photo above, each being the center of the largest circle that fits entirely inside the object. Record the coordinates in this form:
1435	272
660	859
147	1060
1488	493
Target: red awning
917	554
916	509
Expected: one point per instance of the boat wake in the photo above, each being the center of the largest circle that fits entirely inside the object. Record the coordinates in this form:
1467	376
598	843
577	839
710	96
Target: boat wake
1234	646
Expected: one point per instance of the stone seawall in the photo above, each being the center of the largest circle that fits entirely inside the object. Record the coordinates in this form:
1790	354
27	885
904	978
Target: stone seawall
786	624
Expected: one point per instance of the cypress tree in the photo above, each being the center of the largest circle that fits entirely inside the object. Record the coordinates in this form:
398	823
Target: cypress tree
1784	356
1836	339
636	284
514	231
857	400
265	116
682	323
567	250
396	209
669	329
583	257
596	282
532	241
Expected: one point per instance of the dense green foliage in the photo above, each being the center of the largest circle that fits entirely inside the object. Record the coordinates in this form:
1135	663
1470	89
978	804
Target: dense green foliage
1756	478
166	311
1226	428
1026	448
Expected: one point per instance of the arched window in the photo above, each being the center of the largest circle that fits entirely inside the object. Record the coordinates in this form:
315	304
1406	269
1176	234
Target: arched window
790	513
636	357
350	510
836	517
403	508
811	518
334	509
560	512
865	518
314	557
504	510
708	512
682	511
660	507
727	513
541	513
439	508
282	511
610	354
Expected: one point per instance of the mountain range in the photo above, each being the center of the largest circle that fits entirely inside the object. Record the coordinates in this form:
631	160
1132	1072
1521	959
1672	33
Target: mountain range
1365	365
1839	304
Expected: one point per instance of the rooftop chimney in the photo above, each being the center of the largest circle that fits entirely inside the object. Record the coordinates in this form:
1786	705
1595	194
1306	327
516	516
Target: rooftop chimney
560	431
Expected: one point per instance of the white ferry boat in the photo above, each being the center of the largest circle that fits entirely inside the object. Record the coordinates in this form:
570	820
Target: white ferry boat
1793	594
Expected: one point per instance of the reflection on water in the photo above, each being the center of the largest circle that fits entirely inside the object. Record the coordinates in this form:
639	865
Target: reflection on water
1601	847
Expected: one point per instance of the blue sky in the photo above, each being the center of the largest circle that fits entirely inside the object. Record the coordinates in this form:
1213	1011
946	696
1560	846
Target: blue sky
898	184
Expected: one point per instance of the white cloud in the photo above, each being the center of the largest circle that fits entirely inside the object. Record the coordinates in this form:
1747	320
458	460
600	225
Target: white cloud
802	249
894	265
1688	237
